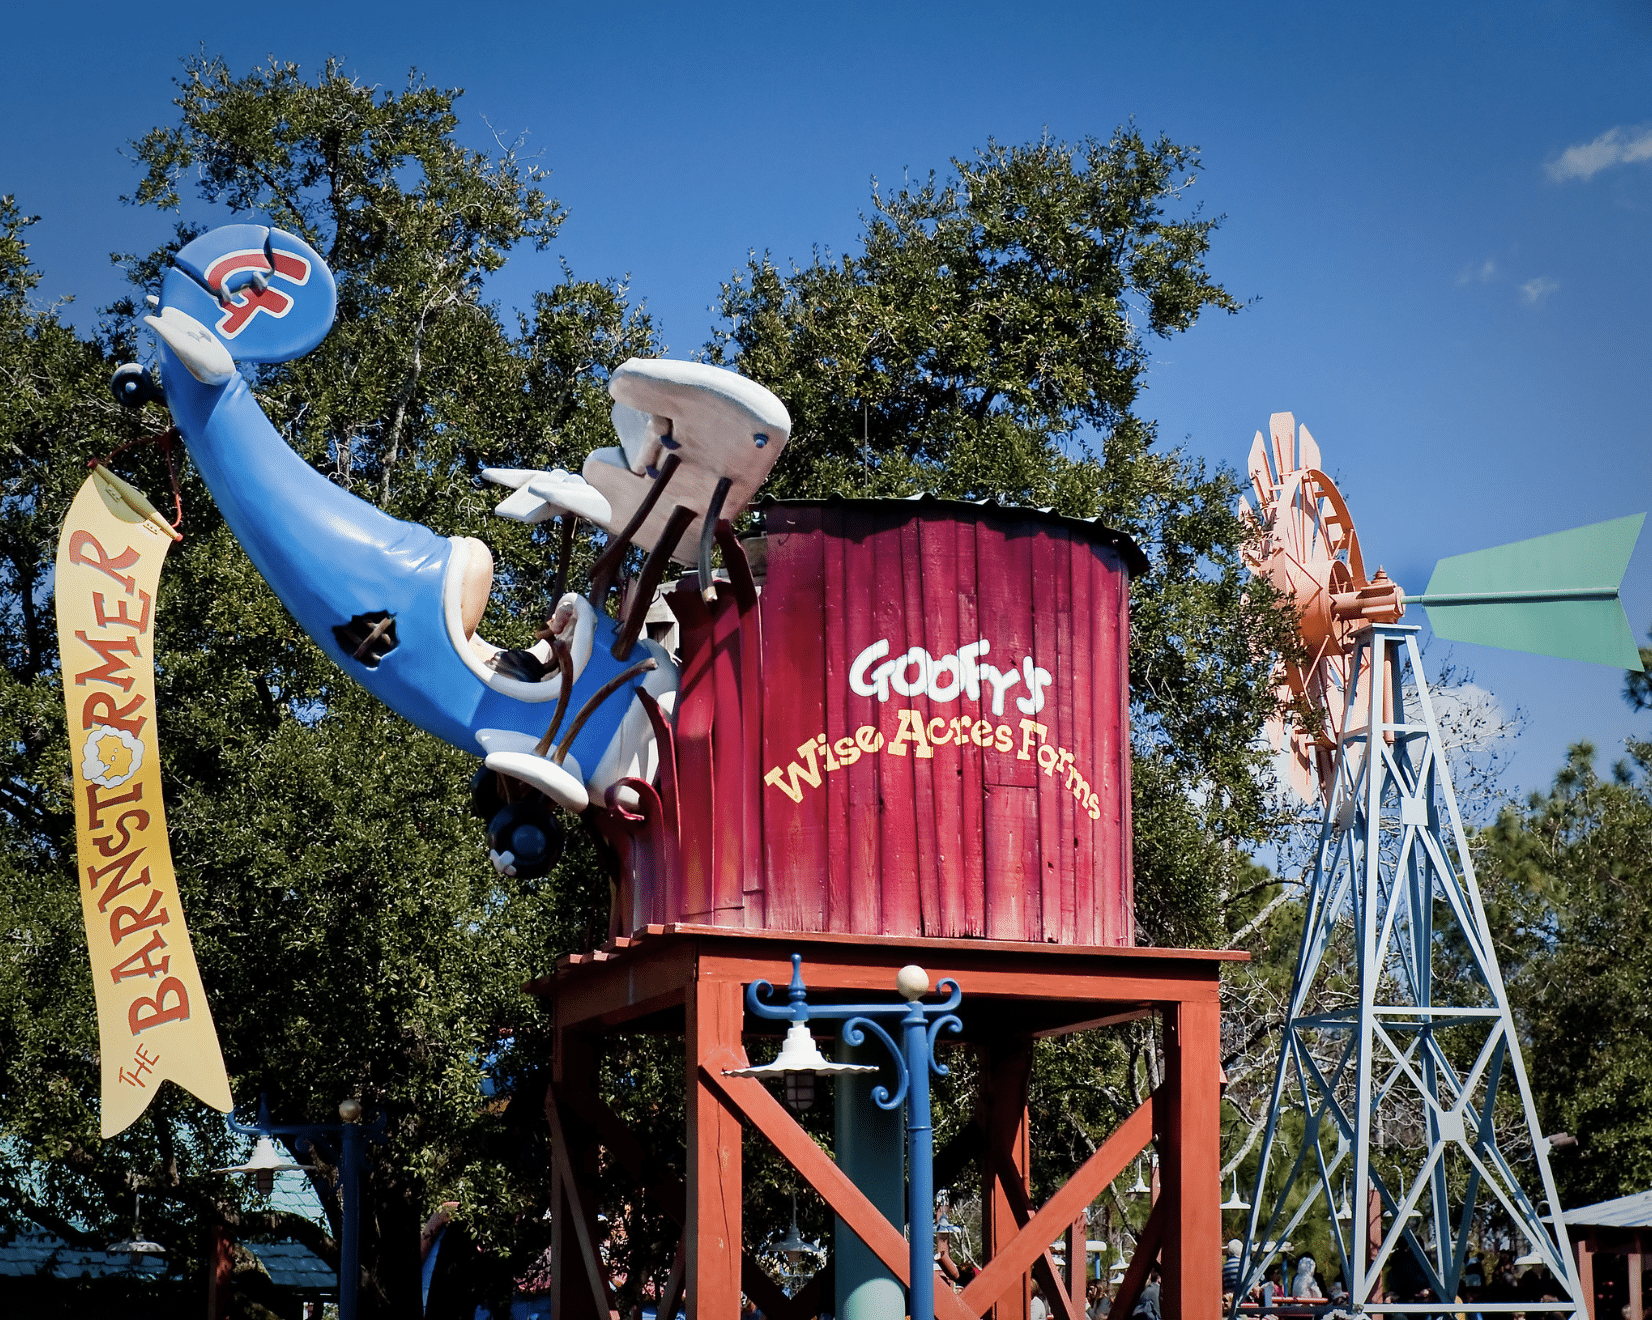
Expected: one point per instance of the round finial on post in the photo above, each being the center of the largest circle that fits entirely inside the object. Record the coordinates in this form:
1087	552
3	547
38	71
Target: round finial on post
350	1110
912	982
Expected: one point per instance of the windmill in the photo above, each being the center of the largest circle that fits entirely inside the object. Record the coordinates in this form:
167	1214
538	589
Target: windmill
1398	1021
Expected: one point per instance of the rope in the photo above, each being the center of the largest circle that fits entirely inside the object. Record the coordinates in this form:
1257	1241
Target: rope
164	439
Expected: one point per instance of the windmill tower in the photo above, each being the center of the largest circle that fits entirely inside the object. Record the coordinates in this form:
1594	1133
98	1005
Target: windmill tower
1398	1021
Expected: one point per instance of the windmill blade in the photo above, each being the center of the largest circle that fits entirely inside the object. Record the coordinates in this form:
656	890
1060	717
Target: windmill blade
1550	595
1283	427
1261	479
1307	451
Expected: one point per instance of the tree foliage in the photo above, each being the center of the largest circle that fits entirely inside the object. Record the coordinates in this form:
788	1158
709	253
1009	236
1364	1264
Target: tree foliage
352	934
990	339
1637	685
1567	880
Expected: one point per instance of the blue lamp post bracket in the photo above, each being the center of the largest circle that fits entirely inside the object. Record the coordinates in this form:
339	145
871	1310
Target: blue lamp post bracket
919	1025
344	1146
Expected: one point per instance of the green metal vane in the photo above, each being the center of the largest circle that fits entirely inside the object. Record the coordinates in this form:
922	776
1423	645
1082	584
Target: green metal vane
1551	595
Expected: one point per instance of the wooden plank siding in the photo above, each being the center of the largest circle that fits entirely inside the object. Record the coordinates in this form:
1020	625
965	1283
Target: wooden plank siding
803	805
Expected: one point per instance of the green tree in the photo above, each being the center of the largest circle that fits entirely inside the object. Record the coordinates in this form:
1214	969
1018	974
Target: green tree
352	934
1568	886
989	340
1637	685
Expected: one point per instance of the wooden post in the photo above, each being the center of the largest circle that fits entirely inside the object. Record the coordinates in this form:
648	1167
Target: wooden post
578	1289
1373	1237
1637	1264
221	1272
714	1018
1190	1163
1586	1272
1077	1236
1005	1066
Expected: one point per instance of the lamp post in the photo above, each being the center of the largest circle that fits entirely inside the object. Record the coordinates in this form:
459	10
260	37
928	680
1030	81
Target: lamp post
914	1060
137	1248
794	1248
1236	1202
344	1145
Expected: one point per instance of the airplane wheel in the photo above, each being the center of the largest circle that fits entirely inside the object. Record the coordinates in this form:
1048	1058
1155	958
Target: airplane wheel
525	840
133	386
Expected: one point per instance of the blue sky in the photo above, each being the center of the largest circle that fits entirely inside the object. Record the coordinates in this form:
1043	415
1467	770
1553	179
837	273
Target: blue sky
1441	212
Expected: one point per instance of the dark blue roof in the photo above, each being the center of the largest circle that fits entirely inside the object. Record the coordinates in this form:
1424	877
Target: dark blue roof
34	1254
293	1265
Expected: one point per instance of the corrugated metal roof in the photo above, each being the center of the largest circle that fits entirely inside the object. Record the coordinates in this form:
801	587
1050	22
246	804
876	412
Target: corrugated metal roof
293	1265
1624	1212
1092	528
36	1254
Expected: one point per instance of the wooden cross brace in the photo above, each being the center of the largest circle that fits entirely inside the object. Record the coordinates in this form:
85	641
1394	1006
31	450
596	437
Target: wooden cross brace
752	1101
667	1192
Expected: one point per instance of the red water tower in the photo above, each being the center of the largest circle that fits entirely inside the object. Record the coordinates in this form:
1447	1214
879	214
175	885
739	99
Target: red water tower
903	738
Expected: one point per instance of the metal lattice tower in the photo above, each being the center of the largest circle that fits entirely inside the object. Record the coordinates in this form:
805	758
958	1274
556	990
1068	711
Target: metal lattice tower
1399	1022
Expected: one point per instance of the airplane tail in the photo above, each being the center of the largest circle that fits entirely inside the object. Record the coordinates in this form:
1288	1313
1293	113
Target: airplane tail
262	294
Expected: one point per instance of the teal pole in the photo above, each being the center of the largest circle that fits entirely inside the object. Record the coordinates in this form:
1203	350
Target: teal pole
868	1142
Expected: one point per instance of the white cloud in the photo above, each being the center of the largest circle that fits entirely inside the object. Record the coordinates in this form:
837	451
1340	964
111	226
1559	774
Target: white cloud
1483	273
1616	146
1535	291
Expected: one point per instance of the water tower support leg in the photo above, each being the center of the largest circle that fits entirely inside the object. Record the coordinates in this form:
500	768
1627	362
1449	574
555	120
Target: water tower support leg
1190	1160
1005	1067
714	1016
1077	1237
575	1292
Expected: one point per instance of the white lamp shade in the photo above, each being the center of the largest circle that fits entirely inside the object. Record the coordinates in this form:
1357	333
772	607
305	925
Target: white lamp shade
266	1157
136	1247
800	1054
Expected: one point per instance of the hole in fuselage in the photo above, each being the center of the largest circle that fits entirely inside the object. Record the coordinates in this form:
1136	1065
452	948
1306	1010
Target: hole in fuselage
367	637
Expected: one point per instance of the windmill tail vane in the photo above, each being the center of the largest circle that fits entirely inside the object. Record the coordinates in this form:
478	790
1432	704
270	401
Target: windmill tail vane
1393	906
1551	595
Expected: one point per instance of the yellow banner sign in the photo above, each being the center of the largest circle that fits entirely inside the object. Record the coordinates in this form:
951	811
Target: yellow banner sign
153	1019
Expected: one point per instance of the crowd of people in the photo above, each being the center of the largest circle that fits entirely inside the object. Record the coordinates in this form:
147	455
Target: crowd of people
1291	1289
1308	1293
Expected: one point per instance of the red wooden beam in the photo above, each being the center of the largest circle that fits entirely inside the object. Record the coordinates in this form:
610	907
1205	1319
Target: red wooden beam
1084	1186
571	1203
1006	1065
1190	1161
220	1272
714	1018
1012	1187
1148	1242
1078	1259
848	1202
1055	1291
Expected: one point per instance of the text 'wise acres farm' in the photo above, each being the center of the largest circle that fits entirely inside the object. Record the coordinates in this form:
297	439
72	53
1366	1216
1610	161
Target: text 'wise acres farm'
963	674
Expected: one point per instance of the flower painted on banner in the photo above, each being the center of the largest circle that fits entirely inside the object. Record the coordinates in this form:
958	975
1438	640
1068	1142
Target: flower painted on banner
110	757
